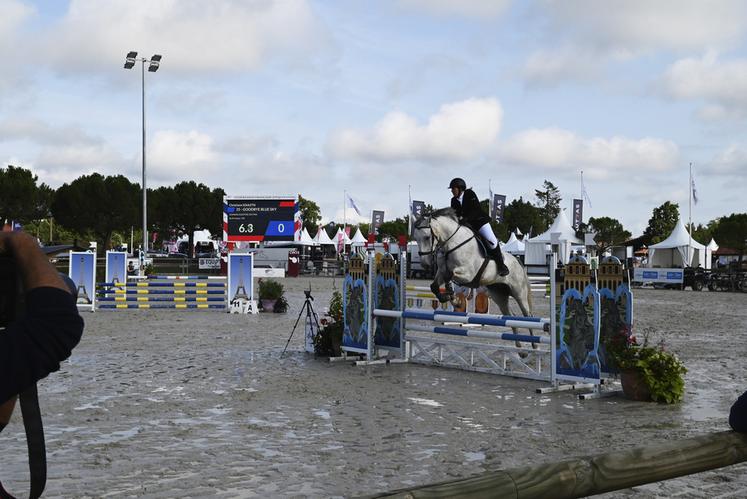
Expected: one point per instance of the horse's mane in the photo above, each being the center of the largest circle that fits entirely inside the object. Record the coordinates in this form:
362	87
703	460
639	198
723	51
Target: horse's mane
446	213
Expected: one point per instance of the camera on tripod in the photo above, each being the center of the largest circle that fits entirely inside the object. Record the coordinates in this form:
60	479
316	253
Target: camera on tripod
308	294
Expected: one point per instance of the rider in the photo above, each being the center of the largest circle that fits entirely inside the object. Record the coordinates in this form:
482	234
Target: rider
470	213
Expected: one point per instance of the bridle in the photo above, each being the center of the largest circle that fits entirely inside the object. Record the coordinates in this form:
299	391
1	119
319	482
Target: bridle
442	244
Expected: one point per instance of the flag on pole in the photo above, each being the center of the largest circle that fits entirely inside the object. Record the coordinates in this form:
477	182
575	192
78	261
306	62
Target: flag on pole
352	204
490	200
695	191
583	190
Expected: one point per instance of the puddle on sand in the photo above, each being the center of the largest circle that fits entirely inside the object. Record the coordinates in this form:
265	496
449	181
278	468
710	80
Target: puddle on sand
426	402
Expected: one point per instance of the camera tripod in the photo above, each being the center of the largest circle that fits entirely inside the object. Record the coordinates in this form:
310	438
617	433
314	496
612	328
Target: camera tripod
311	318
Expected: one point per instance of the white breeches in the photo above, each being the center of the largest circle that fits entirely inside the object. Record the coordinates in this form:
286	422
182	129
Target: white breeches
486	231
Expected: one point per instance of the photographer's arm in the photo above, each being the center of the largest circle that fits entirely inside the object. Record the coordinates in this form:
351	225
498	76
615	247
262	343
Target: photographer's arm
33	266
45	335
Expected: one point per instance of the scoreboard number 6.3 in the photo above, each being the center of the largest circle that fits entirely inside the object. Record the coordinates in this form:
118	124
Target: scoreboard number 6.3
248	228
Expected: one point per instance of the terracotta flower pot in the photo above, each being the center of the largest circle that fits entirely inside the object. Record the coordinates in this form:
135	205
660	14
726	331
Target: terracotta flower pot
634	386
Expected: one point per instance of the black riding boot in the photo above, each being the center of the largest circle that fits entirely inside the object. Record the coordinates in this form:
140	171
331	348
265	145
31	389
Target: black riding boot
497	255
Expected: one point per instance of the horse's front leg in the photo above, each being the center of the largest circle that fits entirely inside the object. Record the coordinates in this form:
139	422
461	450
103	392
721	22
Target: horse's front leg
439	279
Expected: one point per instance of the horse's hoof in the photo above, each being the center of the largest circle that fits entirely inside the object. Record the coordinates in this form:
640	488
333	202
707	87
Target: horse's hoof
443	298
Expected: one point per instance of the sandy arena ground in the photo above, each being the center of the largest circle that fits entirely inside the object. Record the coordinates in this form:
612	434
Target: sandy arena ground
199	404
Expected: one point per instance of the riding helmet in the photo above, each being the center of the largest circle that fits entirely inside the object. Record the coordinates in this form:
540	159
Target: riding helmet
458	182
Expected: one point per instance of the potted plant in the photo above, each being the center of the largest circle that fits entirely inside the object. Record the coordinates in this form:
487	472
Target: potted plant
328	340
272	296
647	372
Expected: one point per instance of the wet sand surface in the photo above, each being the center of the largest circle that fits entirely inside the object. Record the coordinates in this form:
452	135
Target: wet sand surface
173	403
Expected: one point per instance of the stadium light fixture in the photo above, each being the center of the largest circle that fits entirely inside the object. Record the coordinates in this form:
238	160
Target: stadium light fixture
154	63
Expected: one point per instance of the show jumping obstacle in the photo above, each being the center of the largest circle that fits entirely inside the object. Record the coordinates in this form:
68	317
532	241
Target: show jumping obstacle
155	294
233	292
381	325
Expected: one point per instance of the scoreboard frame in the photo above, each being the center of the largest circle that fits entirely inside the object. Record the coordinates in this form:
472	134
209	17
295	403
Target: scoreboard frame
259	218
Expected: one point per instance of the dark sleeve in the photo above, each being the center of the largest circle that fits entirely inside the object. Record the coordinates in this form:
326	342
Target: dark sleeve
473	210
34	345
738	414
456	205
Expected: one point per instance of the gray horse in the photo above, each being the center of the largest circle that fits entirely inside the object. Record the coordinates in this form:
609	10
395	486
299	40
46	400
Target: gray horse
457	256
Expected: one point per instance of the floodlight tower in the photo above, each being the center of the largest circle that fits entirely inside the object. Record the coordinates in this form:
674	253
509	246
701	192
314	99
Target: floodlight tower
154	63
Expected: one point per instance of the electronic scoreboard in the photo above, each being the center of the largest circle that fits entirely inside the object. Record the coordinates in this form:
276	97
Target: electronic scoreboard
259	219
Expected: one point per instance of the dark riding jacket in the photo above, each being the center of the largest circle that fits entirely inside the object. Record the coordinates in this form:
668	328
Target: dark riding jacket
469	210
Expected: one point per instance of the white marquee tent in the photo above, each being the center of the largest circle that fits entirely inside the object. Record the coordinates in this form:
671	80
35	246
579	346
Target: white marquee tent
675	250
322	237
305	238
358	239
514	245
537	248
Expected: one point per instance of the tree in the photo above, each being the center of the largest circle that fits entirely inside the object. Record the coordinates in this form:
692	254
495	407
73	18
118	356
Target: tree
394	228
196	207
548	201
662	222
310	214
731	232
609	233
99	204
703	233
22	199
523	215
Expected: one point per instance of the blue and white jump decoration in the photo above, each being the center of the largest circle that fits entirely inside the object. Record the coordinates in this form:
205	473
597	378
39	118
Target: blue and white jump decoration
240	283
116	267
565	347
82	271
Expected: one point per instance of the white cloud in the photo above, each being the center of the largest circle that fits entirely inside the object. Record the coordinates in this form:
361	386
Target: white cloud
643	25
192	35
720	83
14	86
468	8
459	131
39	132
12	14
174	156
731	162
582	36
561	151
547	67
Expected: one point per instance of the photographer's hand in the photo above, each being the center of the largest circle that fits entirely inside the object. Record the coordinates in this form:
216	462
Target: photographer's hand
33	266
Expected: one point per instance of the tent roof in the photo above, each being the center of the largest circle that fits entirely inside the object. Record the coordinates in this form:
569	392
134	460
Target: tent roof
358	238
346	238
561	225
713	246
514	245
322	237
678	237
305	238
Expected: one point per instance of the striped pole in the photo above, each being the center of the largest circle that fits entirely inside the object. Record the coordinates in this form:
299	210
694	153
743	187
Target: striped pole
162	284
493	335
148	305
467	318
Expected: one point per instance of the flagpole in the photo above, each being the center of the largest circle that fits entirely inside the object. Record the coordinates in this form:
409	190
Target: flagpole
690	213
409	211
344	211
491	208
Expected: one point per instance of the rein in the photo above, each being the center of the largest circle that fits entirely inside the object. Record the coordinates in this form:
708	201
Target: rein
441	245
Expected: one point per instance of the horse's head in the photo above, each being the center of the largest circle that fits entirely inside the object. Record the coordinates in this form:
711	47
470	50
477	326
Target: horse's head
423	235
427	231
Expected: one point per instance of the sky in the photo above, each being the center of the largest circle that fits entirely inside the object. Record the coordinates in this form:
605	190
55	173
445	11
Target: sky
264	97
